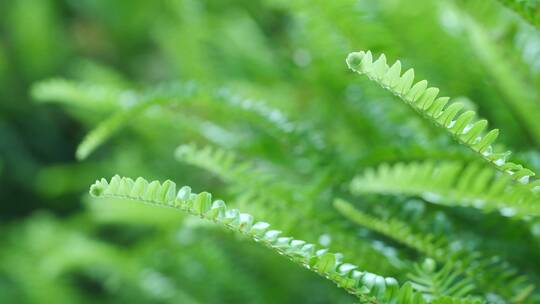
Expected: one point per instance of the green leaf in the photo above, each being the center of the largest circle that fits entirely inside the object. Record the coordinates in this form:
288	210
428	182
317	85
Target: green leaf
326	262
425	102
365	285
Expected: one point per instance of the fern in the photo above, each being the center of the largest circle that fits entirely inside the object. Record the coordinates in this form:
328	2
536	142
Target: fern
220	162
489	274
277	195
245	177
281	131
368	287
105	129
128	104
109	126
249	183
429	245
432	285
423	99
446	281
450	184
451	300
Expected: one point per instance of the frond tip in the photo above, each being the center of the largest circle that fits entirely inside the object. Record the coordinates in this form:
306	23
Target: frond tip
462	125
368	287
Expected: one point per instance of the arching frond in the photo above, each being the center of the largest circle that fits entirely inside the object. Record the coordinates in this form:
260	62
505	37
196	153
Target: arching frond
368	287
450	184
463	126
263	192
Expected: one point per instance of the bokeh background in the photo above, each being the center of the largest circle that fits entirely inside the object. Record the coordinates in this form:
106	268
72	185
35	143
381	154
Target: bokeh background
266	79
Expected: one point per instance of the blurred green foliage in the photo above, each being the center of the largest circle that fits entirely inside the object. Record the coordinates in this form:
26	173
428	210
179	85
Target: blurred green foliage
267	82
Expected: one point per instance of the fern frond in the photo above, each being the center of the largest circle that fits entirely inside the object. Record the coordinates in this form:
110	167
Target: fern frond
463	126
428	245
227	166
263	192
106	128
490	274
141	102
127	104
273	120
451	184
87	95
452	300
368	287
244	179
272	116
447	281
251	183
218	161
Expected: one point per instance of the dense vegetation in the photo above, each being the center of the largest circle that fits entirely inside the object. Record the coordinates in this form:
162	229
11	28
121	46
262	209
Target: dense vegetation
322	167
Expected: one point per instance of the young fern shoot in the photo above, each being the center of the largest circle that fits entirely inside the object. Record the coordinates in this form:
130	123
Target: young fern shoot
368	287
424	100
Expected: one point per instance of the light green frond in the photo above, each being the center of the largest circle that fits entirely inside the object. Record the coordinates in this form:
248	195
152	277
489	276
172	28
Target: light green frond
462	125
451	184
262	192
368	287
